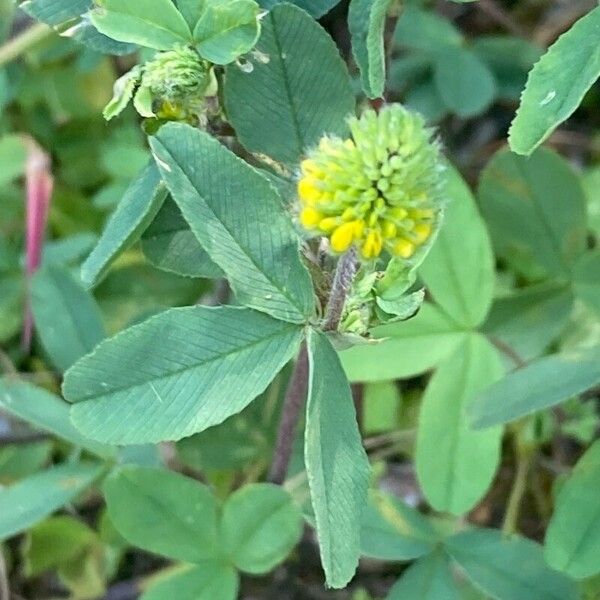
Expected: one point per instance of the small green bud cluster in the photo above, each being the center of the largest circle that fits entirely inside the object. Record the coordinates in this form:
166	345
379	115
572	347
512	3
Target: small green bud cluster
173	86
178	81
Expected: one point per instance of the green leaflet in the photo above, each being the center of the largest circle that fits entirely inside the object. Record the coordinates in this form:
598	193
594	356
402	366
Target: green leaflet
54	542
425	30
226	30
429	578
455	464
23	460
169	244
27	502
151	23
463	81
535	211
316	8
138	207
55	13
191	10
298	81
45	411
366	20
459	269
586	279
260	525
182	512
539	385
508	568
12	158
391	530
573	536
381	407
531	318
208	580
67	318
336	463
177	373
557	84
239	220
408	348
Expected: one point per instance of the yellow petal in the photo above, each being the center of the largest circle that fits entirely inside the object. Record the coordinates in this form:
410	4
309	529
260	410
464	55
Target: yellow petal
389	230
359	227
329	224
309	217
343	236
422	231
373	244
307	190
404	248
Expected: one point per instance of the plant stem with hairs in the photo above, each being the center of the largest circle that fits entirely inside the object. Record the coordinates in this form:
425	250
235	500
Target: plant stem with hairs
290	414
298	385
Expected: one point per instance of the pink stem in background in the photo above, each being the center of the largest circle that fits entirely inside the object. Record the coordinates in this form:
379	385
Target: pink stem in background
39	183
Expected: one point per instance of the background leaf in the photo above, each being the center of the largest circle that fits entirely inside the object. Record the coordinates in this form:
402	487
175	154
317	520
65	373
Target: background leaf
573	535
12	157
530	318
586	279
238	218
392	530
304	86
459	269
535	210
455	464
177	373
464	83
66	316
55	541
138	207
209	580
336	463
52	12
408	348
27	502
541	384
508	568
163	512
260	526
425	30
429	578
45	411
557	84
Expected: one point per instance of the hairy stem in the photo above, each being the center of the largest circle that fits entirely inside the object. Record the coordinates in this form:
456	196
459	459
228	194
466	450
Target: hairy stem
23	42
298	385
344	274
292	406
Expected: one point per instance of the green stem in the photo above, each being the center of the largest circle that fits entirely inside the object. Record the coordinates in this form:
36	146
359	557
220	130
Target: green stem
525	457
23	42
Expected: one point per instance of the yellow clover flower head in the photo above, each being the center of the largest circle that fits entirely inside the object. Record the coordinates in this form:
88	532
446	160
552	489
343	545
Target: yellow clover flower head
379	190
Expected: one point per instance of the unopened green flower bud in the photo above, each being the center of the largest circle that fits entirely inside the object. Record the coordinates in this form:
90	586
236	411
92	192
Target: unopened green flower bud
177	82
